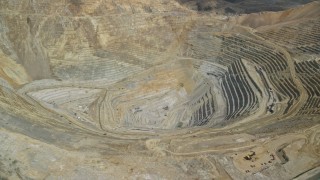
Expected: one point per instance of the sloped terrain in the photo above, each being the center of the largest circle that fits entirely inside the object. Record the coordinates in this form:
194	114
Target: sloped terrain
159	90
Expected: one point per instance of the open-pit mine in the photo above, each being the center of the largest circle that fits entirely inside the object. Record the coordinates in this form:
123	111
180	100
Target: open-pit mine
159	89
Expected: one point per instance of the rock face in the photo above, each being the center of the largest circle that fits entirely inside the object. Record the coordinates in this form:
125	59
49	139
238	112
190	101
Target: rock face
159	90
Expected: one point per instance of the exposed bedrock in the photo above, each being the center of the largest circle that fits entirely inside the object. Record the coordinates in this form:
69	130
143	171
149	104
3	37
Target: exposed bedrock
159	89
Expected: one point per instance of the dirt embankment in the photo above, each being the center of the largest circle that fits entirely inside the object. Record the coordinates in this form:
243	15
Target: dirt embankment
256	20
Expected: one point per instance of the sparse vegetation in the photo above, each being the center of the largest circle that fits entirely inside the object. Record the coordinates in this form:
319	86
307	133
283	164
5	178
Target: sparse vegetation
77	2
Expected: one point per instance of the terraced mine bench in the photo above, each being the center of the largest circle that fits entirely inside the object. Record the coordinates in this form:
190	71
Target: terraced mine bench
110	89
